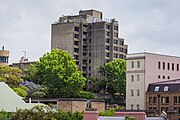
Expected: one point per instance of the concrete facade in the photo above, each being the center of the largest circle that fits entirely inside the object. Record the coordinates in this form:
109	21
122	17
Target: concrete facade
4	57
143	69
91	40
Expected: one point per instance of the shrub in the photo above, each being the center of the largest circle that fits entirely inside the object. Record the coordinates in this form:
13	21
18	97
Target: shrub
4	115
45	113
69	115
130	118
110	112
85	94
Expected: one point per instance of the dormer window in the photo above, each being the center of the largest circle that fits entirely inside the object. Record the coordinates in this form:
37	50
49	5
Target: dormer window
166	88
156	88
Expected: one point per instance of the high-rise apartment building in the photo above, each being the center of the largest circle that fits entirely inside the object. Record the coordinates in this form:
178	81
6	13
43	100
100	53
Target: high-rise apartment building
91	40
143	69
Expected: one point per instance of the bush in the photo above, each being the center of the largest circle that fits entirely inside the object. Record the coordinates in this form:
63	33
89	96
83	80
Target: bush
130	118
4	115
45	113
110	112
85	94
69	115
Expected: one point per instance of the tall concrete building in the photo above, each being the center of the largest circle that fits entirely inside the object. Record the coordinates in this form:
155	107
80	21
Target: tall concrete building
4	56
91	40
143	69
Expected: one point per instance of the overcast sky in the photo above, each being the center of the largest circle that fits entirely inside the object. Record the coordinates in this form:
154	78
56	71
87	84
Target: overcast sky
151	25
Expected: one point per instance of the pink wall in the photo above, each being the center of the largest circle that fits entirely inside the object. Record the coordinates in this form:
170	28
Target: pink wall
94	115
138	115
152	70
91	115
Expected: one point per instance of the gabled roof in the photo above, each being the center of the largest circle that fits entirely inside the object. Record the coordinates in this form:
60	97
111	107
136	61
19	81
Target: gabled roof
9	100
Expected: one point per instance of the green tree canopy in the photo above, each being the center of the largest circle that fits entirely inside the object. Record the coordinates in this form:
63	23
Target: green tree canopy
113	76
13	77
59	73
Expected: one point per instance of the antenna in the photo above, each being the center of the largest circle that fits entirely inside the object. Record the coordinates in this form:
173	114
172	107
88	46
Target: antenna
25	59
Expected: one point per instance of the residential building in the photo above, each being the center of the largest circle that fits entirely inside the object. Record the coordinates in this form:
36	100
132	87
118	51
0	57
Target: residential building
164	96
143	69
4	56
91	40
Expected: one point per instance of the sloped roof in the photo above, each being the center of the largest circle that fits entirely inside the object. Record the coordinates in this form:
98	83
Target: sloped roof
173	85
9	100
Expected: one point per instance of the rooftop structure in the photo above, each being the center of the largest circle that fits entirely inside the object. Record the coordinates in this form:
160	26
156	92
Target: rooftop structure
4	56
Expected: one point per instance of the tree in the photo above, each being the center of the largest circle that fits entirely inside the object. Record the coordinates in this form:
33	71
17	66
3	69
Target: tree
59	73
113	76
13	77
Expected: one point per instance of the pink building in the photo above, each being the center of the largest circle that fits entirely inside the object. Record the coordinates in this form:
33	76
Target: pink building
143	69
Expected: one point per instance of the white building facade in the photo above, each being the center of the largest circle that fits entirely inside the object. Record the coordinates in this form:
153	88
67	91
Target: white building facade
145	68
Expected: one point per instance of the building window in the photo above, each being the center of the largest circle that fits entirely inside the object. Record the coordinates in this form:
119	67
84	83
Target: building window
166	88
120	49
107	40
163	77
172	66
138	64
115	41
179	110
159	77
115	48
132	93
107	48
177	67
167	100
107	33
175	99
179	99
175	109
89	68
138	77
150	109
132	78
150	100
163	65
168	66
162	109
115	55
107	54
154	108
89	60
132	64
138	92
154	100
137	106
168	77
159	65
162	100
132	106
156	88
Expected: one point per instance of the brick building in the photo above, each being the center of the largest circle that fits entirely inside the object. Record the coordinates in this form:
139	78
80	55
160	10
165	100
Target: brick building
164	96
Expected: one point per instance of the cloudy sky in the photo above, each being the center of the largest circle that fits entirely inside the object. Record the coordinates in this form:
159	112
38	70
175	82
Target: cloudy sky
146	25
